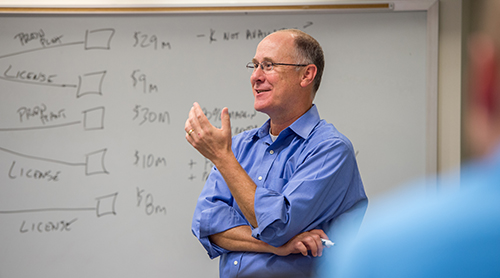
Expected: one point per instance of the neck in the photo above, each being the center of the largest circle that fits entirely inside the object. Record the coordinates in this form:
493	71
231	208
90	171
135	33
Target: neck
278	124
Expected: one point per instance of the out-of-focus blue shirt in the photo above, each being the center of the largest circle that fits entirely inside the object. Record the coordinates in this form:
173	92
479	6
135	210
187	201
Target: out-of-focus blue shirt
415	234
305	180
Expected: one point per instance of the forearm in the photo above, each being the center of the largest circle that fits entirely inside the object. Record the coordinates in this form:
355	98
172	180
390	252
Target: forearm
240	184
215	144
239	239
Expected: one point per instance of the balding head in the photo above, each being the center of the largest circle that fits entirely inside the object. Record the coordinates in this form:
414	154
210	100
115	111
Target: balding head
308	51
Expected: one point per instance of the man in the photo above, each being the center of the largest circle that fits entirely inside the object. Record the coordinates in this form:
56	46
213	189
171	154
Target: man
275	190
454	234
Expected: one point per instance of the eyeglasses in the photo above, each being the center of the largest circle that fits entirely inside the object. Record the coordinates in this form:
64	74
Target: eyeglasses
267	66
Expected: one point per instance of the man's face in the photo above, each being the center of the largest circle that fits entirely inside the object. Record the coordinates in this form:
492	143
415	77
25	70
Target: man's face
274	91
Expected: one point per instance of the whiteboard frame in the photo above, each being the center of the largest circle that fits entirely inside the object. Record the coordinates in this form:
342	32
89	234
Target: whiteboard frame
239	7
431	7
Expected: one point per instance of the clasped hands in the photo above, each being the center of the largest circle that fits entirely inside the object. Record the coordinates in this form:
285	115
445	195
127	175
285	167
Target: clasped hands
302	243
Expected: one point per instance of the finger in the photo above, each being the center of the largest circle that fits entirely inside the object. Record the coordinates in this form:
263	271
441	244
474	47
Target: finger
321	234
315	242
193	120
187	125
200	116
320	245
189	139
301	248
226	121
187	128
318	235
310	241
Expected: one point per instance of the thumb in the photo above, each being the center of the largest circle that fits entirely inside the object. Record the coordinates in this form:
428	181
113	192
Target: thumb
226	122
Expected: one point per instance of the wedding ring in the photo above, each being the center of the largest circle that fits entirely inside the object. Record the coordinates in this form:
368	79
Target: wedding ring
190	131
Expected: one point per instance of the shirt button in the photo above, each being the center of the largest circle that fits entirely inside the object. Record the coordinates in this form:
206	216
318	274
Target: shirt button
260	178
235	262
271	151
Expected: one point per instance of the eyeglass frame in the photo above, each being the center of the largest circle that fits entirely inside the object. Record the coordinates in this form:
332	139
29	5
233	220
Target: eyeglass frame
251	65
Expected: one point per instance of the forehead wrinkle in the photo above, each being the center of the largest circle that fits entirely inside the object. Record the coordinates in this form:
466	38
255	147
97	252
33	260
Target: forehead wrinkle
263	59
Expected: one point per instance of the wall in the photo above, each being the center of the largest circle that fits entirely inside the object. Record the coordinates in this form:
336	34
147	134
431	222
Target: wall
450	86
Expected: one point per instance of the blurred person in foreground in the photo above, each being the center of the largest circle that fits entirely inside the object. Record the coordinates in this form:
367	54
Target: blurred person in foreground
457	234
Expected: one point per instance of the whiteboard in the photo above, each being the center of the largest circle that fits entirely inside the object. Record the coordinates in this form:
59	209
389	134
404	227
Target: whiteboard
96	178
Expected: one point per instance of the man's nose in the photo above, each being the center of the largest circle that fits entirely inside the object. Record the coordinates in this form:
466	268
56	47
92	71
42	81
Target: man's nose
257	75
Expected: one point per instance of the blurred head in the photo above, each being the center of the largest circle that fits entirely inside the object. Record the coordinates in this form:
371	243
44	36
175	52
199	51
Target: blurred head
483	96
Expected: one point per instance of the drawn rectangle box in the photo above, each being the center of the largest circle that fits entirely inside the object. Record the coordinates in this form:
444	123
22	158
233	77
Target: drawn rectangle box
93	119
106	205
94	163
99	39
90	83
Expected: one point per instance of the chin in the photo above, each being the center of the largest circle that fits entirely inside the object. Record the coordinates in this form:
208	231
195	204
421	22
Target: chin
260	107
263	105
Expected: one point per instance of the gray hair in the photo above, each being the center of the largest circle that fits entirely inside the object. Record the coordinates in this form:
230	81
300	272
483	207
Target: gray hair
309	51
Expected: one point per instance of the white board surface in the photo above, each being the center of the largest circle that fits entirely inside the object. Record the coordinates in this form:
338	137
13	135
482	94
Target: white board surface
96	178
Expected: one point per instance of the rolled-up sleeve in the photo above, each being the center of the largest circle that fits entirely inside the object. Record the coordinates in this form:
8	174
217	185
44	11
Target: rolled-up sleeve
214	213
315	192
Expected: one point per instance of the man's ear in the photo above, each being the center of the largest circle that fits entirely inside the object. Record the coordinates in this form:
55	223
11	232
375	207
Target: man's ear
308	75
483	87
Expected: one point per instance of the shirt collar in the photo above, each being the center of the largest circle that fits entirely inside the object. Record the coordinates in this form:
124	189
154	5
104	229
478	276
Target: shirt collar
302	126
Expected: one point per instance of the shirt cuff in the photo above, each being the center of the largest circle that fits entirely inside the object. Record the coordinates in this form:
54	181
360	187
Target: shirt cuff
271	211
215	220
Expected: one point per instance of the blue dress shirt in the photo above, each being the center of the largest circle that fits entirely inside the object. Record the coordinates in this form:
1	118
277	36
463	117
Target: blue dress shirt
305	180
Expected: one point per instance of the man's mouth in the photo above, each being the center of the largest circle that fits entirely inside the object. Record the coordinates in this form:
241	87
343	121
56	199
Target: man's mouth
260	91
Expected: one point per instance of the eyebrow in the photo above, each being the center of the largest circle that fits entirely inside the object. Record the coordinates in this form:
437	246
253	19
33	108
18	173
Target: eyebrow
265	59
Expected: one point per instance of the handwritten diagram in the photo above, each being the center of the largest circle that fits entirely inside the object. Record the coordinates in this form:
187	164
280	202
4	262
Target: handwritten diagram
37	118
88	83
92	119
86	105
105	205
